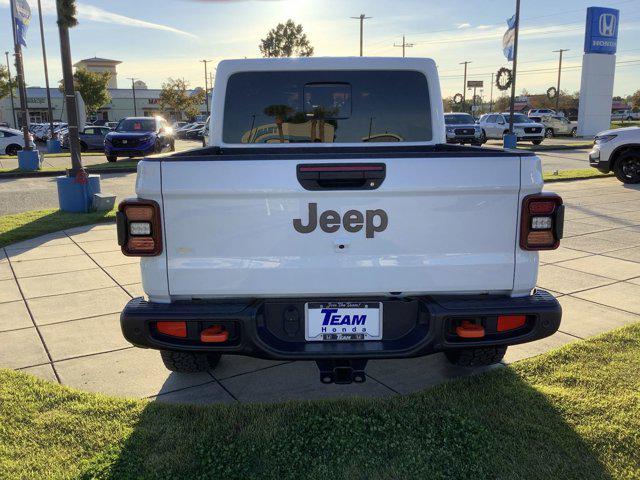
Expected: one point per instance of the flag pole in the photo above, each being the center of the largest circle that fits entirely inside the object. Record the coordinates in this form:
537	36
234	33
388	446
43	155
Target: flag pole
515	67
24	110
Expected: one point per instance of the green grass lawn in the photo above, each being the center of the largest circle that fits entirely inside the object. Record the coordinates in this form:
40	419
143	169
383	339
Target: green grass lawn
577	174
21	226
573	413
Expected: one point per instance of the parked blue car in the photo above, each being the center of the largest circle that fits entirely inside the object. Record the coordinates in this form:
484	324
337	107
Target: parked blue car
139	137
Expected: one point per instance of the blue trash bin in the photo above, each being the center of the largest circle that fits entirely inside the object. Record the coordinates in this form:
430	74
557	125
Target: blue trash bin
29	160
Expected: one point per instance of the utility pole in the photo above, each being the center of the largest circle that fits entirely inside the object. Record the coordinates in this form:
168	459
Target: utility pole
464	88
561	51
515	67
362	18
13	105
491	100
46	71
24	109
206	84
133	89
404	45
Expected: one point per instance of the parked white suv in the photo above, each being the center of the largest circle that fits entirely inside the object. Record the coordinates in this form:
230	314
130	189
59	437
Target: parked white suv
539	112
294	235
496	126
618	151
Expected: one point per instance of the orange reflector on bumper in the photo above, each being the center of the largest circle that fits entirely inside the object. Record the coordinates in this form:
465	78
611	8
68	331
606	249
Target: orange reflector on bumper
511	322
541	238
174	329
215	334
470	330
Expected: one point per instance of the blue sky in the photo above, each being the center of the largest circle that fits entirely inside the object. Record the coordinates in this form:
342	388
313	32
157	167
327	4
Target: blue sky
160	39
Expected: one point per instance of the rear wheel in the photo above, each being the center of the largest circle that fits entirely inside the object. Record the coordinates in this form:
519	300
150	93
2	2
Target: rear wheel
549	133
574	132
13	149
627	167
183	362
112	158
475	357
83	147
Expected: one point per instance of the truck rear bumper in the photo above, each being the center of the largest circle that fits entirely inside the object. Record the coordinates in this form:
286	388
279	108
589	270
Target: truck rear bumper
274	328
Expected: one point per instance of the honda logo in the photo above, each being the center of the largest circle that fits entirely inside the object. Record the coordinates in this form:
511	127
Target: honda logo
607	25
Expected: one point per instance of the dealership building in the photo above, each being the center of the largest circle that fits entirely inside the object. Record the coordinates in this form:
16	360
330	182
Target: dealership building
147	100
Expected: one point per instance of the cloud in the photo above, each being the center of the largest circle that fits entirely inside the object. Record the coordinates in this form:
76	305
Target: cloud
99	15
484	27
462	25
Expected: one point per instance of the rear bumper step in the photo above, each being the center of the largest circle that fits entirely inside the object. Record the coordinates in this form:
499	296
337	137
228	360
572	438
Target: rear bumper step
275	328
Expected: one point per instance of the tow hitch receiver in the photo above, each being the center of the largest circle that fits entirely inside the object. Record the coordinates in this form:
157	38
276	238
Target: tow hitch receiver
342	372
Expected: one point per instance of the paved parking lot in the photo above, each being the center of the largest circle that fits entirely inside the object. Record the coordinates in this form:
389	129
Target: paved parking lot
61	295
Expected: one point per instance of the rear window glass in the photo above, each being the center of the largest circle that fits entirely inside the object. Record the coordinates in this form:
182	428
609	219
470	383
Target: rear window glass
327	107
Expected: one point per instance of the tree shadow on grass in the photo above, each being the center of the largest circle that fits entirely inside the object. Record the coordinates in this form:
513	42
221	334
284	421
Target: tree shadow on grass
30	225
493	425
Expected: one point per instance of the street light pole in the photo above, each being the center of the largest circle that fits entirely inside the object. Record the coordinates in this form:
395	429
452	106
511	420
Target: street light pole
515	67
561	51
46	71
24	110
13	105
206	84
362	18
133	90
491	100
464	87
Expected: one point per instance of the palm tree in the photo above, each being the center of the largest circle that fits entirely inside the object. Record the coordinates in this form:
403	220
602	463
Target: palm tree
320	114
280	113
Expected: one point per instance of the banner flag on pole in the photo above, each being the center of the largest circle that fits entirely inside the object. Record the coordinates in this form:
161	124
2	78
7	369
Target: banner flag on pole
508	38
22	17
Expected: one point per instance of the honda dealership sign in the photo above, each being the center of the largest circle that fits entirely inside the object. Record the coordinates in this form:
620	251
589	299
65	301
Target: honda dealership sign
598	70
601	34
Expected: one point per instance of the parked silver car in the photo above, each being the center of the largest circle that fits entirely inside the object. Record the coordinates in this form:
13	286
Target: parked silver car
91	138
555	125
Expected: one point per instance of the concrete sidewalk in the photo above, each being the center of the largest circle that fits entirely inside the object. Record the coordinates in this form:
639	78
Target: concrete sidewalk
61	295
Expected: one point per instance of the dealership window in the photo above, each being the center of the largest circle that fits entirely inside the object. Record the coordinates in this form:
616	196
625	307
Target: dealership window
327	107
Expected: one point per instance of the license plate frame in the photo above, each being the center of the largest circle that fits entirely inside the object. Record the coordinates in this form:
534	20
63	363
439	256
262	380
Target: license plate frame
342	329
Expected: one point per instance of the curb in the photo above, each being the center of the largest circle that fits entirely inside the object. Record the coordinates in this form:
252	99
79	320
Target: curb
57	173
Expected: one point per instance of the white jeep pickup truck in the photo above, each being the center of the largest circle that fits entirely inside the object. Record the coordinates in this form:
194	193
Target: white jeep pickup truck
327	220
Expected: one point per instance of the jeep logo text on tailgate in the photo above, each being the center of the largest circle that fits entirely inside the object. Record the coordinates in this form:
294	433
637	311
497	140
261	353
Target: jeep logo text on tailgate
353	221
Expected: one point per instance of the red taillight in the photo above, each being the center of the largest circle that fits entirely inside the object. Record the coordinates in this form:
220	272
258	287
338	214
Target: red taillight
511	322
139	232
173	329
542	222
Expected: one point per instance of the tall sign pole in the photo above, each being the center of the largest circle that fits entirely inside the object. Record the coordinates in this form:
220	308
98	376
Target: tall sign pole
133	90
13	105
67	19
46	71
464	88
515	67
18	37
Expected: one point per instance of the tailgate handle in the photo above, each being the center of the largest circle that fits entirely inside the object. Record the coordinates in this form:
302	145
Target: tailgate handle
342	176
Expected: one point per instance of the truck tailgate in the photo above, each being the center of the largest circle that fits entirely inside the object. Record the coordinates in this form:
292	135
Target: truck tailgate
229	228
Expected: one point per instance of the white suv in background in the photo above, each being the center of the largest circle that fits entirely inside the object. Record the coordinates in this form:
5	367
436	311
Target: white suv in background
541	112
496	125
618	151
11	140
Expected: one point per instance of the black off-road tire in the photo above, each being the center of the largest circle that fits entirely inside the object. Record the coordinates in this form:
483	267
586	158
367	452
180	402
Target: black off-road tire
112	158
475	357
627	167
184	362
